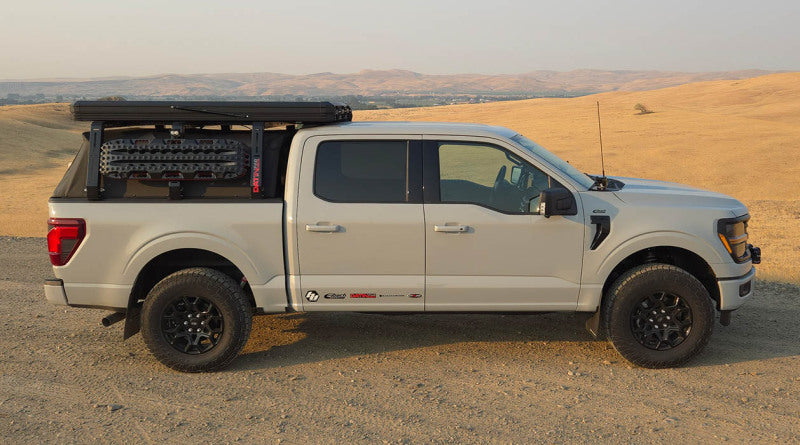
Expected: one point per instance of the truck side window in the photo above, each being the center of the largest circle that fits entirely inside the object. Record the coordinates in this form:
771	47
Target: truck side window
489	176
361	171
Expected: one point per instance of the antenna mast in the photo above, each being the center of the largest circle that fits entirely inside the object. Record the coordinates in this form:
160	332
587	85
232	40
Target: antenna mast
600	131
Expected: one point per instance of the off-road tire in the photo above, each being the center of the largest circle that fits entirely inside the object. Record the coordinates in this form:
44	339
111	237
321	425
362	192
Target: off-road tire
624	298
214	287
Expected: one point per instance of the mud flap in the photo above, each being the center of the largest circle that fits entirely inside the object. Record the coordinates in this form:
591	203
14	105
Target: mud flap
592	324
725	318
132	321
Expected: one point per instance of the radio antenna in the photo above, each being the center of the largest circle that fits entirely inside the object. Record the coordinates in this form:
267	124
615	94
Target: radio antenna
602	182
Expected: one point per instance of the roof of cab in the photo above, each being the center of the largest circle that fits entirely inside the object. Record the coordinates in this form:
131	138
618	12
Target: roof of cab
410	128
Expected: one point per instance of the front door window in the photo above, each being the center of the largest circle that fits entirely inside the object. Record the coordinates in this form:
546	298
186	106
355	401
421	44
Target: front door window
491	177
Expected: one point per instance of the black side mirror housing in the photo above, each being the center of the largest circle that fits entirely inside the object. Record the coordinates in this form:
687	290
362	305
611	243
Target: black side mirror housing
558	201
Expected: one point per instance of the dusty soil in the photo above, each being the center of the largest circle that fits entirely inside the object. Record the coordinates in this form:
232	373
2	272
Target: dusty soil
325	378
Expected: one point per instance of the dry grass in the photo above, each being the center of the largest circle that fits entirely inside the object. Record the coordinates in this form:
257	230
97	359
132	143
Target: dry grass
36	136
737	137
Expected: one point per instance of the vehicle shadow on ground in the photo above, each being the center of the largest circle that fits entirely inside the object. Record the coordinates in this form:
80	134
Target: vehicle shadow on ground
286	340
765	328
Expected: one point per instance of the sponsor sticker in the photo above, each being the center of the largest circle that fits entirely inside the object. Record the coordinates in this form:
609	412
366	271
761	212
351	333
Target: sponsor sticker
391	295
415	296
312	296
362	295
335	296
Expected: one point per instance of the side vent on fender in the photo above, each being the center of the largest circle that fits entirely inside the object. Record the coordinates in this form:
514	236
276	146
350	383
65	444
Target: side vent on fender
603	225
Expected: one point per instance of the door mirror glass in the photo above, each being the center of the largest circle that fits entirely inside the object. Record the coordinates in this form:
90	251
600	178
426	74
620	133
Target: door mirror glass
557	201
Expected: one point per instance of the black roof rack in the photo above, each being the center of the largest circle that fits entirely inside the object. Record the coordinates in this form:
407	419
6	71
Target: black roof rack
185	114
208	112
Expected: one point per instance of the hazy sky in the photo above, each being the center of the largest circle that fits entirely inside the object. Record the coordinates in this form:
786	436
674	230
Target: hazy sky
93	38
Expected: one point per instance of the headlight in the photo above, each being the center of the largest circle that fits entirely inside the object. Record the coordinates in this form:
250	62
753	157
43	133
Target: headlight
733	234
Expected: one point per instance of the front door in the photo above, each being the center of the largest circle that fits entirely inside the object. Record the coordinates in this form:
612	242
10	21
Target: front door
360	225
487	248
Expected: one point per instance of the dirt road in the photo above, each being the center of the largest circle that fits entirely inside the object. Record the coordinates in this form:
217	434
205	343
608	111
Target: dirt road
340	378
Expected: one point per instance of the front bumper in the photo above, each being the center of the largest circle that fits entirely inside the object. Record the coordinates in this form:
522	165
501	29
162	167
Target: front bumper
54	292
734	292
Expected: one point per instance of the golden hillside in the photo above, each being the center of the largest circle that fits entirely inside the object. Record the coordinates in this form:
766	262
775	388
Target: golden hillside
739	137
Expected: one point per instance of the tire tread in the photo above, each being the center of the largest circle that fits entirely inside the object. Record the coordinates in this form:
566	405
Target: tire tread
165	353
632	350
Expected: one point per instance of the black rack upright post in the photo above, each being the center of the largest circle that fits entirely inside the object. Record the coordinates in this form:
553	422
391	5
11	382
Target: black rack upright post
271	158
93	191
256	167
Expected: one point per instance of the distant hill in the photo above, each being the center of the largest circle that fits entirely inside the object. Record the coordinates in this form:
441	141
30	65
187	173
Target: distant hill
366	83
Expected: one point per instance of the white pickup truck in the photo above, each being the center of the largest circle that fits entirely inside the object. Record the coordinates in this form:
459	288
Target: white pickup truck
186	224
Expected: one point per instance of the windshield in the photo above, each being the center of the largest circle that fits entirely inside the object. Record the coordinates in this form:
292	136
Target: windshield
556	162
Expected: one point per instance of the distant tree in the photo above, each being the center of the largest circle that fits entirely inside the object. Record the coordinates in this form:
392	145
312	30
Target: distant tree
112	98
642	109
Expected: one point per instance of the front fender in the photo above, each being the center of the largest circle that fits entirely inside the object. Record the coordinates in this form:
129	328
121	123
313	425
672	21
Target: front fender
596	270
685	241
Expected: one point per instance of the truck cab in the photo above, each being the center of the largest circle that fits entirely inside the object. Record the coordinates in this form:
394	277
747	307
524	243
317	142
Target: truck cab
379	217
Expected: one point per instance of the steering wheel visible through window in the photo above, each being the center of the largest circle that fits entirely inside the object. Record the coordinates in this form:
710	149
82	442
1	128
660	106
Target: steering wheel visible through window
489	176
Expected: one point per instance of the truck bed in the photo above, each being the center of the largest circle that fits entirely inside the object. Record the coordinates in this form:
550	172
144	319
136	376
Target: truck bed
123	236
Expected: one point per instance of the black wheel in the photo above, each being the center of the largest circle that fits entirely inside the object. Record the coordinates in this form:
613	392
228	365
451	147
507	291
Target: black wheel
196	320
658	316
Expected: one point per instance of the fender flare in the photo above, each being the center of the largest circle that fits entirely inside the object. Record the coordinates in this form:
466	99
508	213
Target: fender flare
681	240
194	240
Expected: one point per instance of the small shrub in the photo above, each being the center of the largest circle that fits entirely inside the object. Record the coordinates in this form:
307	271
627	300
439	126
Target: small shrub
642	109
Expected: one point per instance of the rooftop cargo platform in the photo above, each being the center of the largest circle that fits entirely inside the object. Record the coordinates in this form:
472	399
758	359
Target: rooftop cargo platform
207	112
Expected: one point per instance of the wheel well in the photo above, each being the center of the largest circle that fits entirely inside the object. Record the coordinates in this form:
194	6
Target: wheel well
169	262
685	259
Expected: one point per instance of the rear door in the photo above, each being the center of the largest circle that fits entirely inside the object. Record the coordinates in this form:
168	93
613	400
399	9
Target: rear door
360	224
487	248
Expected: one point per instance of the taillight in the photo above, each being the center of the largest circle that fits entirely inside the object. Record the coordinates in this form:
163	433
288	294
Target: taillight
64	235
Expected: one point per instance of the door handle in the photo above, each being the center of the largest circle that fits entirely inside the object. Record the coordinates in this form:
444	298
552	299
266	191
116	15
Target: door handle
322	228
451	229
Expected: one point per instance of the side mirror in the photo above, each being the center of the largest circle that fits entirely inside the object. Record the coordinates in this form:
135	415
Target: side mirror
557	201
516	172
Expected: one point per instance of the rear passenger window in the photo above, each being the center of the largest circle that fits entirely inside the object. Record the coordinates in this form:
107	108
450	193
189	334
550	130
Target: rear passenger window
361	171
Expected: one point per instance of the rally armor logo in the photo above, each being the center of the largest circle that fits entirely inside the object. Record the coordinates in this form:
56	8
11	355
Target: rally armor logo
312	296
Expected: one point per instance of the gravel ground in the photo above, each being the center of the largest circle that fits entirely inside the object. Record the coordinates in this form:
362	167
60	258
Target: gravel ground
325	378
